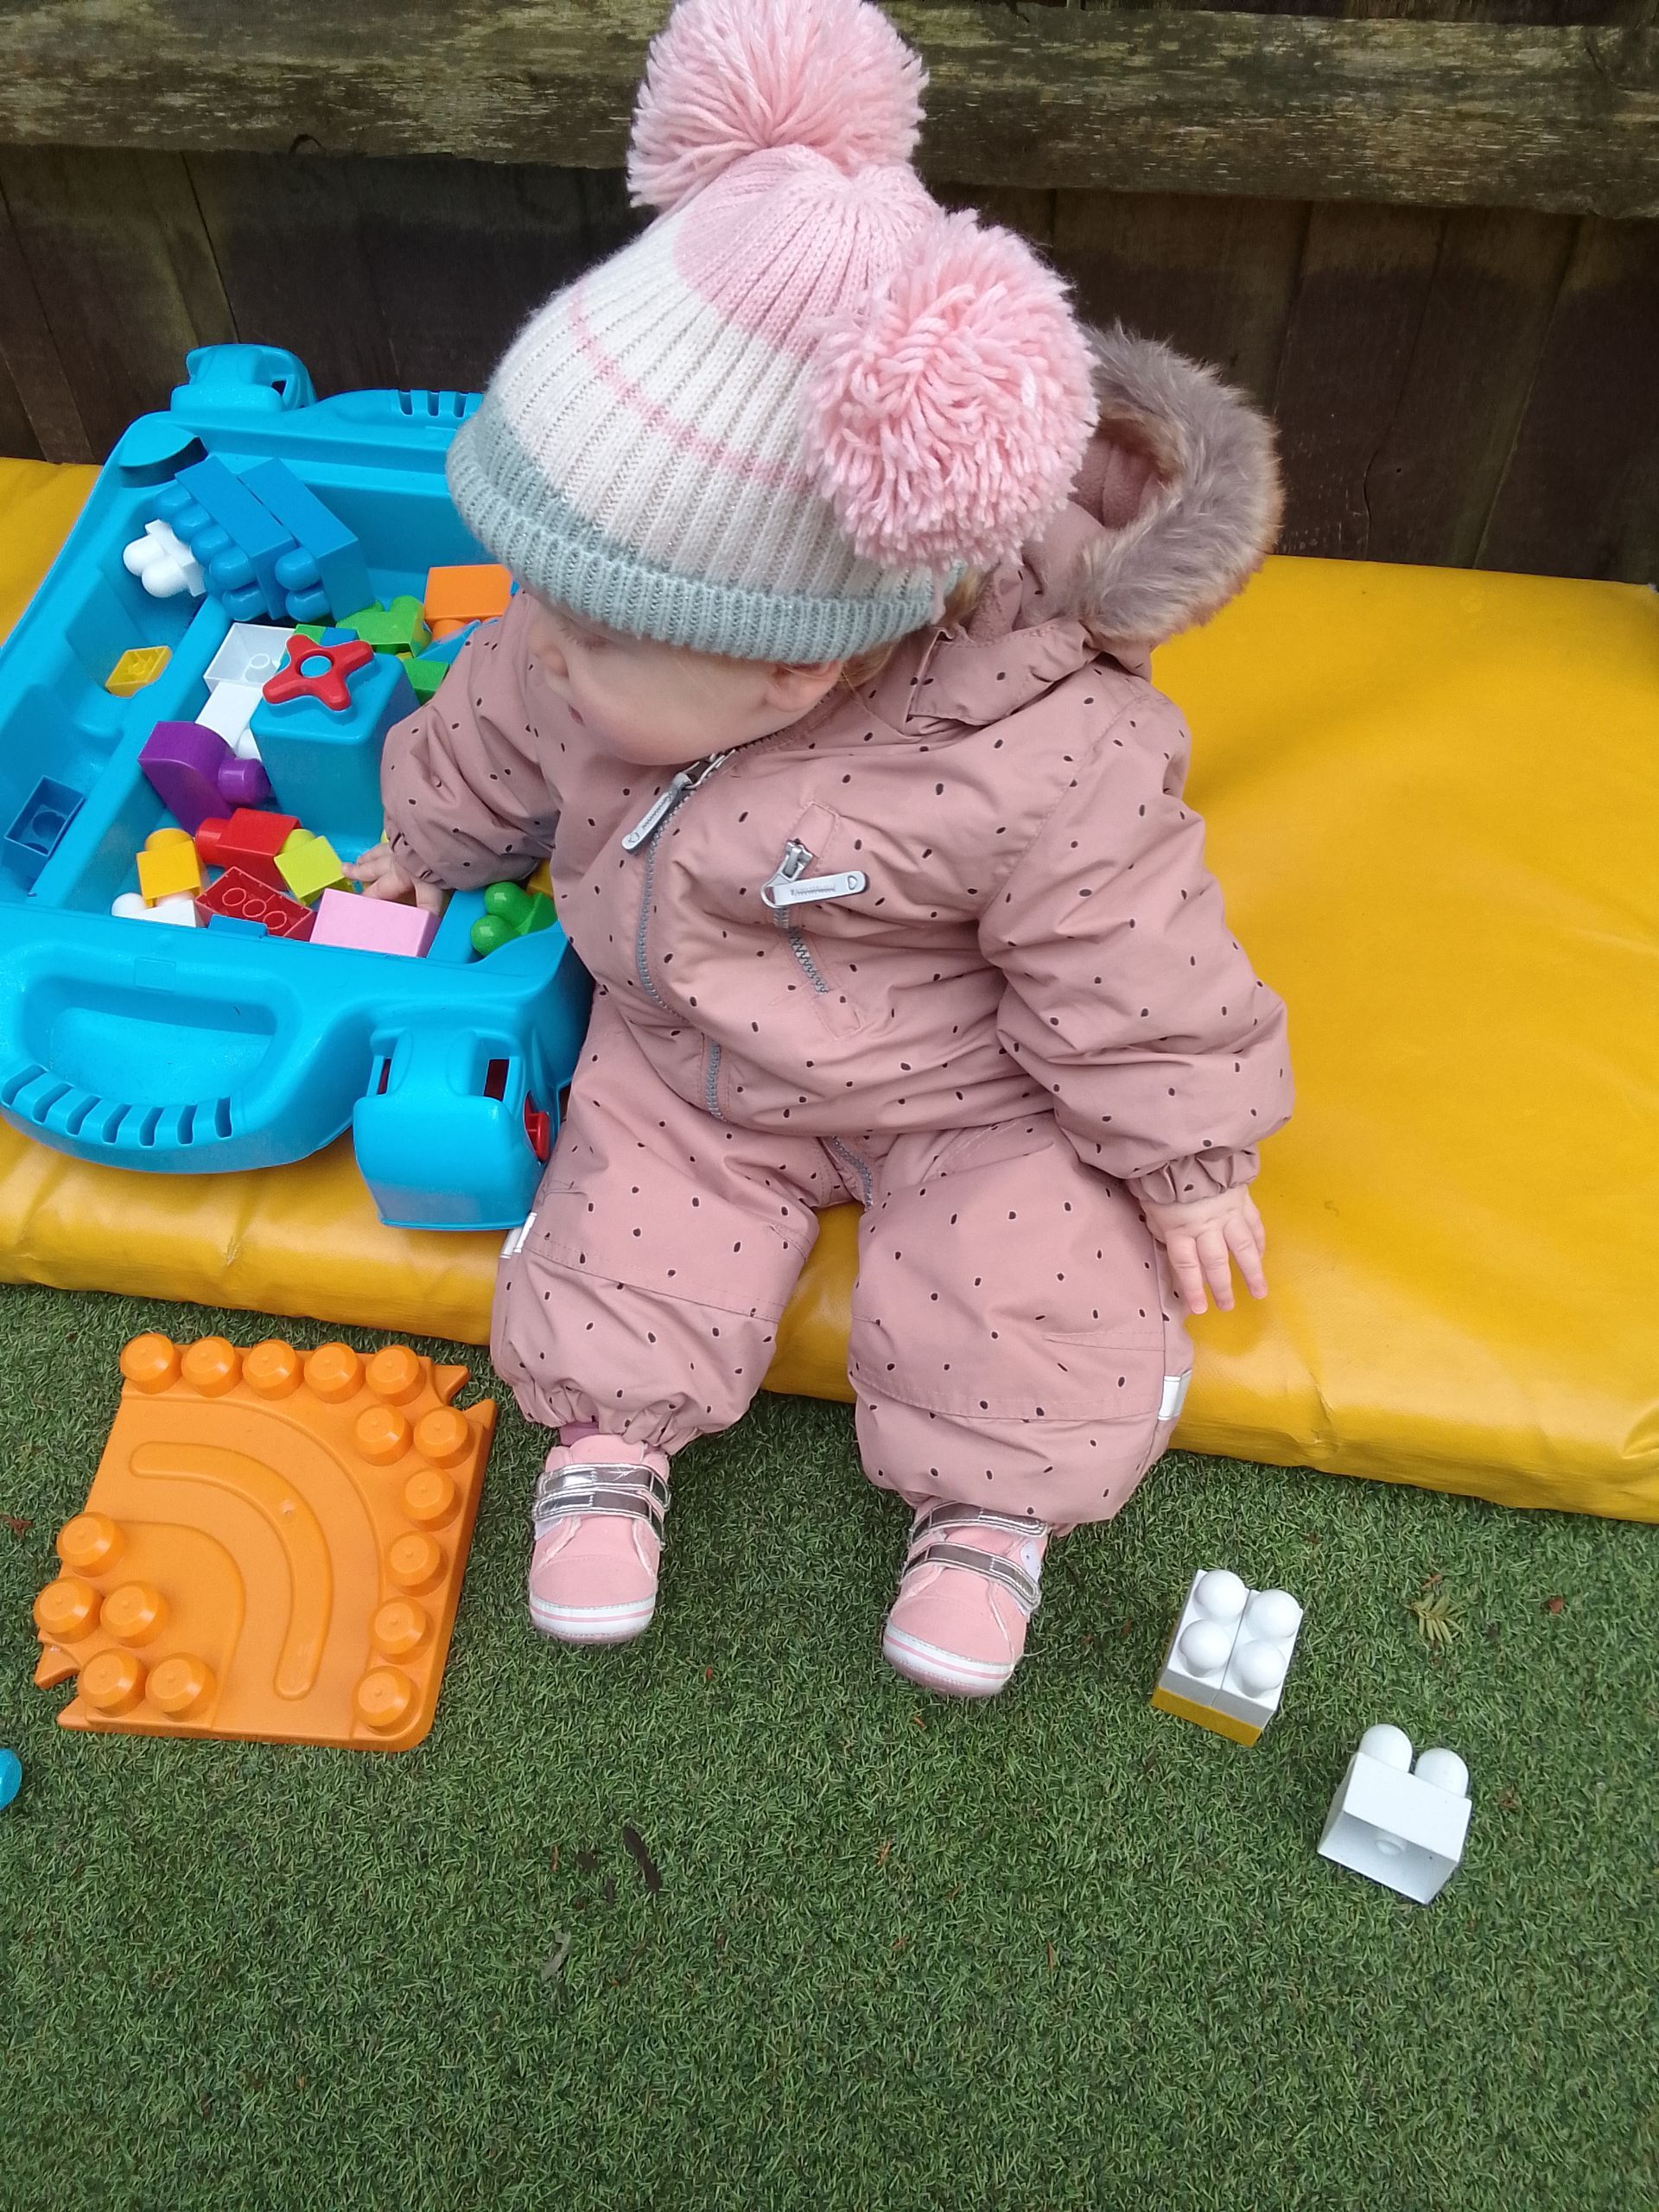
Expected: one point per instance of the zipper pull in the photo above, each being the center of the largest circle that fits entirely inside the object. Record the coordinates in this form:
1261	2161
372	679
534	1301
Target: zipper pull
663	804
788	886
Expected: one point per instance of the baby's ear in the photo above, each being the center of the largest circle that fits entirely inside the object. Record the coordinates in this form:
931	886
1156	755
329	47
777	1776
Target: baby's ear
797	685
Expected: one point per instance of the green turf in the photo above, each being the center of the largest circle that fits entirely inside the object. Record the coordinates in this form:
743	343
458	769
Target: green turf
1057	1951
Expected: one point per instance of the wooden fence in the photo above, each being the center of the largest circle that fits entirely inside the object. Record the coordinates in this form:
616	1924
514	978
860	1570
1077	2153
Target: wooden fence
1428	245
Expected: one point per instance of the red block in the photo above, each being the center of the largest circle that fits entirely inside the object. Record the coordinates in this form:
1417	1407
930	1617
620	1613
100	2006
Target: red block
245	898
251	840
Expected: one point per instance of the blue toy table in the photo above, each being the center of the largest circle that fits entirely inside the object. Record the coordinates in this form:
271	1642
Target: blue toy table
180	1051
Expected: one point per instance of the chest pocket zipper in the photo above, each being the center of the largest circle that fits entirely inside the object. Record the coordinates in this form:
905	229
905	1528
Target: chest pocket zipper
790	887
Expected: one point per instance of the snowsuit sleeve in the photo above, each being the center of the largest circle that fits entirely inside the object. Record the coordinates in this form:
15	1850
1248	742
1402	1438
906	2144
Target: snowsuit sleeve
1127	996
462	782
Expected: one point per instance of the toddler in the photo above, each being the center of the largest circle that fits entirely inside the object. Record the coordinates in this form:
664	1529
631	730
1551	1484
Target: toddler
840	547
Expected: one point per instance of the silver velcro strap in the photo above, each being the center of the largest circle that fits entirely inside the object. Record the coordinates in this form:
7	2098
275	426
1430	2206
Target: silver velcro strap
972	1516
1006	1573
635	1493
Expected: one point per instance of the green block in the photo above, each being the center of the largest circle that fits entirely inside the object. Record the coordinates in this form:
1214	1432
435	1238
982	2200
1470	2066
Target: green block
425	675
510	911
399	628
312	630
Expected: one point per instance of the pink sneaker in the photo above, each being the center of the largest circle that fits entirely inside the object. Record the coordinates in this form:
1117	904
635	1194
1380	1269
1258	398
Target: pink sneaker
968	1589
599	1537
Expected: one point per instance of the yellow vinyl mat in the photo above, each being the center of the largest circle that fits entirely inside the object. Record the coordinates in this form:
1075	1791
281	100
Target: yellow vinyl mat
1433	801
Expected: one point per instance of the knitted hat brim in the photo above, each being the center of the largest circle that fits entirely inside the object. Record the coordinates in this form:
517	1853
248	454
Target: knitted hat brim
522	521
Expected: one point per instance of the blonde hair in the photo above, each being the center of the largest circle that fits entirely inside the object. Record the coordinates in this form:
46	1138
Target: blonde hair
959	603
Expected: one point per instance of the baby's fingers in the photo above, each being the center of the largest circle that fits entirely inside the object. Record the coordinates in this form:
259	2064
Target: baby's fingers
1244	1242
1217	1266
1182	1253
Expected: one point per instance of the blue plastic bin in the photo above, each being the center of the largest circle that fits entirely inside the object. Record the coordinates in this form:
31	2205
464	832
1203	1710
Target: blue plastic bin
186	1052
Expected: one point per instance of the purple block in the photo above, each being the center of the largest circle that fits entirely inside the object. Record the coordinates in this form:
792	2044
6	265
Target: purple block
184	762
244	783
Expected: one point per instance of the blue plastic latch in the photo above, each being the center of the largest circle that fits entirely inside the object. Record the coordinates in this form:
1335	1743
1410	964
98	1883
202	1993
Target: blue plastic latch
243	380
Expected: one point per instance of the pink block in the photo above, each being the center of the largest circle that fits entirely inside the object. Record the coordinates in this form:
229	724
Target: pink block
346	918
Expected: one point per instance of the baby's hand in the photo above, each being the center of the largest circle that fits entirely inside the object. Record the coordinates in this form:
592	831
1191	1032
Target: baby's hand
1199	1235
381	878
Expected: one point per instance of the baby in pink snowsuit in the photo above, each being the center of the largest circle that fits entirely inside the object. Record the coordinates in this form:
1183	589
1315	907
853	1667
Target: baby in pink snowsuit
825	694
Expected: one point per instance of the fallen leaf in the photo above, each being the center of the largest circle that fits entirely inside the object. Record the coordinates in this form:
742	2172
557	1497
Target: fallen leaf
19	1527
1508	1802
634	1844
707	1674
916	1721
1126	1629
1049	1948
881	1855
587	1862
553	1964
900	1942
1554	1604
553	1860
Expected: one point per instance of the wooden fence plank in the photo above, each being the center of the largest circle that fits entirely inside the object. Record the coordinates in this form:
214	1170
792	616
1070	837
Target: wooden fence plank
1574	497
51	428
123	273
1434	113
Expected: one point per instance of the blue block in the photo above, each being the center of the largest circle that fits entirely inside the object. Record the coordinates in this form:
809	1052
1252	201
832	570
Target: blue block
254	533
326	573
41	821
236	925
11	1777
325	766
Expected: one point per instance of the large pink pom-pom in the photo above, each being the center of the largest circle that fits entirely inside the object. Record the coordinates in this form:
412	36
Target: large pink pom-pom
947	418
727	78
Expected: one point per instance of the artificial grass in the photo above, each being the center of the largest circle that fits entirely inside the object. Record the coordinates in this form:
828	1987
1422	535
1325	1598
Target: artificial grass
1056	1951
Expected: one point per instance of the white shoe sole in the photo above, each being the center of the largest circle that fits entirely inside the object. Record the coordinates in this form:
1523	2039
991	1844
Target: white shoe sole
934	1669
591	1624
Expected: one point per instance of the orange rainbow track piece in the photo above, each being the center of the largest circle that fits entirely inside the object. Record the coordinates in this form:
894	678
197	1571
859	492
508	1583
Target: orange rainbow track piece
272	1548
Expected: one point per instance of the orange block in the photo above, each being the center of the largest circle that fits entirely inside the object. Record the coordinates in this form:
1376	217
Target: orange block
476	593
272	1548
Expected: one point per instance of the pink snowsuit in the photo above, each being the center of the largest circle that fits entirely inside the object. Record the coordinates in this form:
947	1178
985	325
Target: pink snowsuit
1015	1009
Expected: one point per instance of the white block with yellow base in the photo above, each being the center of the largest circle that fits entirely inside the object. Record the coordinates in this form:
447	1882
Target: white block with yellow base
1230	1655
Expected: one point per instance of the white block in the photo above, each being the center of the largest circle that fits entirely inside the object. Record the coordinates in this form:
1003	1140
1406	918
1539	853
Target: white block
162	563
1403	1828
178	908
1232	1647
229	710
251	653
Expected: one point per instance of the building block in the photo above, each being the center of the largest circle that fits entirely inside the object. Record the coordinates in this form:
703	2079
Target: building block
325	574
11	1777
162	563
511	909
251	653
178	908
476	593
309	864
346	918
137	667
272	1546
1401	1827
446	651
324	763
239	897
541	879
315	671
424	675
235	925
40	824
1227	1659
195	773
247	840
168	866
237	540
399	628
228	710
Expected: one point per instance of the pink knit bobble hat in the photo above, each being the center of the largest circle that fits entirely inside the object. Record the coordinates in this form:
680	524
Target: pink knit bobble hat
776	424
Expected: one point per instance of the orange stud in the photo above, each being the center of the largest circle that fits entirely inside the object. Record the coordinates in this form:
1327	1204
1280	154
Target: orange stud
334	1372
430	1497
397	1375
272	1369
415	1562
211	1365
180	1685
401	1625
150	1363
113	1683
383	1698
65	1609
381	1434
89	1544
135	1613
443	1436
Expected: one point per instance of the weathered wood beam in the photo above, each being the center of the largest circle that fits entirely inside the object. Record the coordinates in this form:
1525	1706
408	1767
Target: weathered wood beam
1434	114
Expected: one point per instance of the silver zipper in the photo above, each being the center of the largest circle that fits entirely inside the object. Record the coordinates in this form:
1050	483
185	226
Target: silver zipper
856	1165
666	800
789	886
711	1082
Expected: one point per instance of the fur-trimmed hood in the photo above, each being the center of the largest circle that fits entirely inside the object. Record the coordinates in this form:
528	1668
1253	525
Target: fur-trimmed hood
1176	503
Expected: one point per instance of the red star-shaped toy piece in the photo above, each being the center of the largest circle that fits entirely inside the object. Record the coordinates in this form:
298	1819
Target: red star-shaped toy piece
292	680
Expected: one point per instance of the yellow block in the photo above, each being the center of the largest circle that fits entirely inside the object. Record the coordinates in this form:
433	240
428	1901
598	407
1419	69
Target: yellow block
1431	797
1219	1724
